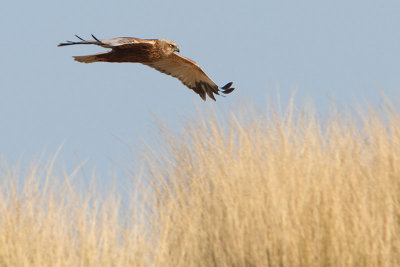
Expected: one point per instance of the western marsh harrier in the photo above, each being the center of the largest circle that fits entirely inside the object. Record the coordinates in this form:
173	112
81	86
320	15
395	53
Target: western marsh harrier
159	54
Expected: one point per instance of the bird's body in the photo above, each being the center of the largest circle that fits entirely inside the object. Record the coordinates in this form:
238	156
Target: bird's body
159	54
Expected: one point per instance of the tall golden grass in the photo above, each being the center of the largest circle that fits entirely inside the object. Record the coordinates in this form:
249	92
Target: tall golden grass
252	188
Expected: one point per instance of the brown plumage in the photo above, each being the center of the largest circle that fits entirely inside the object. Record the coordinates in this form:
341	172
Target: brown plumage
159	54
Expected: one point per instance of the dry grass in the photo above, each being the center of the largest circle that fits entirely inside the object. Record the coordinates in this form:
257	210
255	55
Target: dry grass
261	189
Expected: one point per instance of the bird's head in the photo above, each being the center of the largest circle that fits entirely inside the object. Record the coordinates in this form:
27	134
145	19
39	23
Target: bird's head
169	47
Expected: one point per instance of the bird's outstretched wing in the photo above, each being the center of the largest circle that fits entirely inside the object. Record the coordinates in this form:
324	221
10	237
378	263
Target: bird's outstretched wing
123	49
121	42
190	74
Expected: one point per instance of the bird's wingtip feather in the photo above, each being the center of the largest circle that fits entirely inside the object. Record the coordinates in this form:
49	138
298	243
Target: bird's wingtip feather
226	86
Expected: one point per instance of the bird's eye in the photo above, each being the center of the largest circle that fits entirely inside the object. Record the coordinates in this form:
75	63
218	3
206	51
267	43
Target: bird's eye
171	45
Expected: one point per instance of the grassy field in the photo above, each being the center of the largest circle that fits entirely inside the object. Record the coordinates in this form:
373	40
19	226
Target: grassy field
254	188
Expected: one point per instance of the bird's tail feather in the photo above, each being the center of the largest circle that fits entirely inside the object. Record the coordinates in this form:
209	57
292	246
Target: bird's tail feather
91	58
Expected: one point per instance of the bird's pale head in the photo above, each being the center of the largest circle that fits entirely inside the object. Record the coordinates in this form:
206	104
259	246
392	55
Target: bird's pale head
168	46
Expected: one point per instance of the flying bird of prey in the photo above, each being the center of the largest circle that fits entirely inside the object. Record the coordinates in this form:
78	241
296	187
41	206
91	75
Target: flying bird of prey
160	54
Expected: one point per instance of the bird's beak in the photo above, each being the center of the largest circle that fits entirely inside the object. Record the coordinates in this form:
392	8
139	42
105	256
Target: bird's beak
177	50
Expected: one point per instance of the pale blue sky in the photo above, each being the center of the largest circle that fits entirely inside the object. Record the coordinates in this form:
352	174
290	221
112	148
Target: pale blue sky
345	50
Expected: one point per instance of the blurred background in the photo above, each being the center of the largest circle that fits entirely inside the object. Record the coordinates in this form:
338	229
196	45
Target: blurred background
346	51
